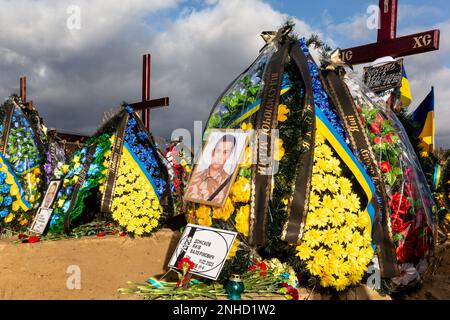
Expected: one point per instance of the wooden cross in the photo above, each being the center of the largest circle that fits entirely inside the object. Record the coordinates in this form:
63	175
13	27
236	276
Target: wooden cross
146	104
23	93
387	43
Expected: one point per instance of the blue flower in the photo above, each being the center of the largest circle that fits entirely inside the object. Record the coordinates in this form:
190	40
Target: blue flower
129	109
5	188
7	201
284	275
68	191
320	97
54	219
132	122
66	206
4	213
142	135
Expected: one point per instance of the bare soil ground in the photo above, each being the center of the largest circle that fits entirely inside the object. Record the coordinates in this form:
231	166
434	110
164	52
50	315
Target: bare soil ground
39	270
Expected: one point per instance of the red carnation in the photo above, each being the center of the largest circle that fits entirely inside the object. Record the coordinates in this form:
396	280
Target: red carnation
375	126
290	290
262	265
399	203
378	140
398	225
404	253
122	234
33	239
185	263
101	234
388	137
385	166
380	118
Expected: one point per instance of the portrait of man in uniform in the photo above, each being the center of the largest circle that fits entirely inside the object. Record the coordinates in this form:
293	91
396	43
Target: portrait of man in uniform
217	167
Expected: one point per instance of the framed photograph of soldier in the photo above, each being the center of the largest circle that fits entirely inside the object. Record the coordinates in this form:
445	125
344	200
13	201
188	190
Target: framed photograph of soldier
217	167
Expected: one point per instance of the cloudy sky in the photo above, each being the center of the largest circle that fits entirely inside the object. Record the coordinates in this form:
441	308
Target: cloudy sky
197	46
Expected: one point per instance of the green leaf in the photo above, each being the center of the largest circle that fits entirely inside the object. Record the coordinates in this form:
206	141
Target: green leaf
397	237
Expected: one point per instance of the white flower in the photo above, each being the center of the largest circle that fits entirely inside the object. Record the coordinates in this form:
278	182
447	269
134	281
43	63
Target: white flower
408	274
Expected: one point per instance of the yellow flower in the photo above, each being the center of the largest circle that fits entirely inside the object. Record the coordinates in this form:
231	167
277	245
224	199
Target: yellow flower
9	179
329	236
183	162
153	223
9	217
204	215
246	126
353	202
278	150
14	190
312	237
326	280
242	220
447	216
240	191
341	283
23	221
15	206
233	249
304	251
283	110
225	212
187	168
344	234
345	186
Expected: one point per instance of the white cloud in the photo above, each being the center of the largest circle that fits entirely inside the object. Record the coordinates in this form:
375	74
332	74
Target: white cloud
199	54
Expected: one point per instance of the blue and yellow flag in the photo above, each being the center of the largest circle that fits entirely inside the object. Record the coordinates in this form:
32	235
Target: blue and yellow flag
424	116
405	90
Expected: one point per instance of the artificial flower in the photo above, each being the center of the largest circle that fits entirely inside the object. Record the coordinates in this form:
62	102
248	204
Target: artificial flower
283	110
278	150
240	190
234	249
242	220
399	203
225	212
385	166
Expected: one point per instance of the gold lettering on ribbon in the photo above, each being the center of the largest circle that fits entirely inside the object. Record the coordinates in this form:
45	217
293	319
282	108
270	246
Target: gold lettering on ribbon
265	163
352	124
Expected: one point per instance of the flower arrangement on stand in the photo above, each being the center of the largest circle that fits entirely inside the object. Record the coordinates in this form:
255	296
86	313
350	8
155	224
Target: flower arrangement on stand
95	177
140	201
22	163
410	200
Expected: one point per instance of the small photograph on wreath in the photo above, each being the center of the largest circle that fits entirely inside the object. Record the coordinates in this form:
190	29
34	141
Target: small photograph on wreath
51	193
217	167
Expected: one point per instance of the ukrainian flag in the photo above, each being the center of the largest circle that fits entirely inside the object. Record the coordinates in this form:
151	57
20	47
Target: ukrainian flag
405	90
424	116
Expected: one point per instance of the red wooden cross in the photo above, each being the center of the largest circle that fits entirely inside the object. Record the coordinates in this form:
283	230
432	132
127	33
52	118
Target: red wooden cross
23	93
387	43
146	104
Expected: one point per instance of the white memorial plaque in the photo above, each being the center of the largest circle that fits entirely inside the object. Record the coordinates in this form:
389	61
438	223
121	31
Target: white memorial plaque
206	247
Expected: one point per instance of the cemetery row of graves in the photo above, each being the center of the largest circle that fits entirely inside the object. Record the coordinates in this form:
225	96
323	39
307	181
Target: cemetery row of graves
347	193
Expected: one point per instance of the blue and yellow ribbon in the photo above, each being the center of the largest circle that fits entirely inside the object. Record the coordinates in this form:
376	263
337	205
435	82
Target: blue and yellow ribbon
127	151
12	180
437	176
251	109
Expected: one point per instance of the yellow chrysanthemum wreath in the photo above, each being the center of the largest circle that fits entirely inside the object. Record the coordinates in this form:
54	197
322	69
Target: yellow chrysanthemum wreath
336	244
135	205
